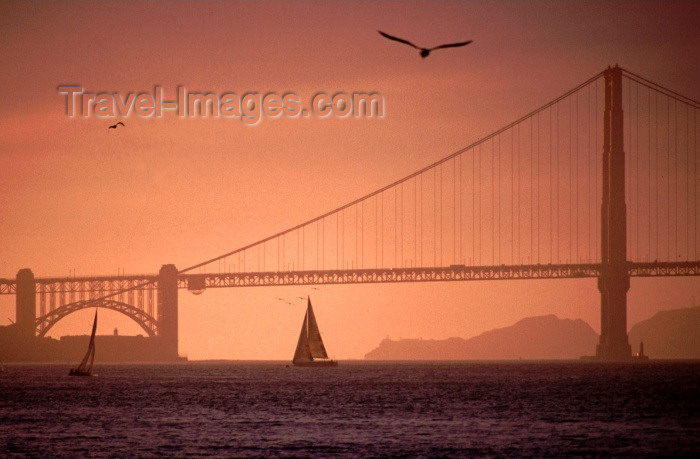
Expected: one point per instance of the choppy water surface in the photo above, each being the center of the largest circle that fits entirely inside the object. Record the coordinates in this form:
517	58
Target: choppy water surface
356	409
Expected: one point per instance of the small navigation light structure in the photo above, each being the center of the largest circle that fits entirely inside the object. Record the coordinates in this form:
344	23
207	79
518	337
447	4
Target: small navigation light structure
196	285
641	355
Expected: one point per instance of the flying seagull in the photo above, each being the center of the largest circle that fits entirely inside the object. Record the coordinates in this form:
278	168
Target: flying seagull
424	52
114	126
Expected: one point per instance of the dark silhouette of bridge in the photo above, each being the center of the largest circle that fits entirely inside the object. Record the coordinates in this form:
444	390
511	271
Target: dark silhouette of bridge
552	195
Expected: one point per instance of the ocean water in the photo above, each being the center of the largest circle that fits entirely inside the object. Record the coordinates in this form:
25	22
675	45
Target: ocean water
358	409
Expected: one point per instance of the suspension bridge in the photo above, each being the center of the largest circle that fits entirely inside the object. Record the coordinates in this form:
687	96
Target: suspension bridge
598	183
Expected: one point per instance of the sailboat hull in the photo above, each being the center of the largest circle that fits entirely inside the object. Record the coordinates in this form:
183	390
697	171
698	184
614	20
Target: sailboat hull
317	363
79	373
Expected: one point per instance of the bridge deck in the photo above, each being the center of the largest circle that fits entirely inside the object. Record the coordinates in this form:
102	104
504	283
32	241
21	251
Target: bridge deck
356	276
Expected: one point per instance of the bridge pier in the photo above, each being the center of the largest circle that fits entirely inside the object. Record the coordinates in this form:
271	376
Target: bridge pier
614	281
167	311
25	301
614	343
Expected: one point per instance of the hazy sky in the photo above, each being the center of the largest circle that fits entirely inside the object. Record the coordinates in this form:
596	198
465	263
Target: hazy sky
76	197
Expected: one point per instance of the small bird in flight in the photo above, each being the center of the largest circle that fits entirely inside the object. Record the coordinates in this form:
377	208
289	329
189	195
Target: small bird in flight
114	126
424	52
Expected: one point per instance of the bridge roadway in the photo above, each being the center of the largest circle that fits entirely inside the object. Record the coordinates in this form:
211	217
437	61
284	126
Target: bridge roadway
194	282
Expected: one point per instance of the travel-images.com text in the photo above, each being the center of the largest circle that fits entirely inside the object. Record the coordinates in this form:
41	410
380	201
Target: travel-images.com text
249	108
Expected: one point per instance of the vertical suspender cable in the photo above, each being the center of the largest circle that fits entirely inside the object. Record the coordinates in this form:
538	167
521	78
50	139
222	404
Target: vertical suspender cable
648	130
668	179
532	191
552	186
454	209
474	176
461	211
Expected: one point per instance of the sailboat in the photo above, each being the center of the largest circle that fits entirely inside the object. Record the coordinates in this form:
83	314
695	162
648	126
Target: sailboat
85	367
310	350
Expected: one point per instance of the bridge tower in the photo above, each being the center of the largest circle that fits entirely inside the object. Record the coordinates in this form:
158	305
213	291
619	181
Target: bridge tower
167	310
614	281
25	304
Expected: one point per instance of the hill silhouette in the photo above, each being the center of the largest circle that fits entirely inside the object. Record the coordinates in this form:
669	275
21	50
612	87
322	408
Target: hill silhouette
542	337
671	334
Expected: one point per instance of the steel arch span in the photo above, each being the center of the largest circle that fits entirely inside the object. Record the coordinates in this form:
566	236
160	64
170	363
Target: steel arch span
44	323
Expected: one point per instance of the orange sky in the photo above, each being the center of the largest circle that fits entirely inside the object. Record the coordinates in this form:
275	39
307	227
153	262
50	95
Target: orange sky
74	197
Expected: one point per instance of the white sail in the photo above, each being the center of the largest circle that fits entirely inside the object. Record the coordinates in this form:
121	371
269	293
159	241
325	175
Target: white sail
303	353
310	345
85	366
315	343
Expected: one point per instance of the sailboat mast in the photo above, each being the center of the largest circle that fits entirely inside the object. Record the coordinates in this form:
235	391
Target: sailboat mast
308	307
94	326
92	341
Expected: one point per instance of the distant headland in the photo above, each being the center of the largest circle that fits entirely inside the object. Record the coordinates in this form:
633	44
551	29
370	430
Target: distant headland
667	335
